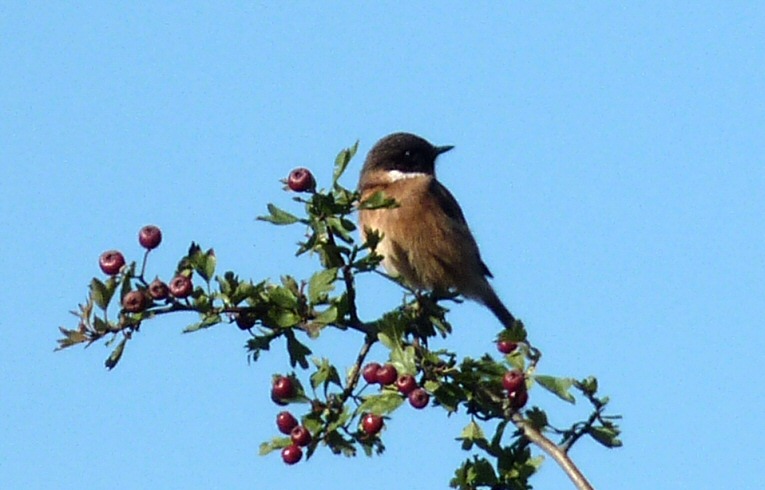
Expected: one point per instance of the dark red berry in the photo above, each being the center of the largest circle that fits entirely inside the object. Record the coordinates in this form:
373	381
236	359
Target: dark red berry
150	237
370	372
300	435
519	398
283	388
419	398
371	424
286	422
406	383
245	321
158	290
506	346
111	262
301	180
181	286
387	374
134	302
292	454
513	380
277	400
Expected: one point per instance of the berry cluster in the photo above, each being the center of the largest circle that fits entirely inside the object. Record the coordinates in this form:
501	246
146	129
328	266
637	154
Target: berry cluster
513	381
386	375
282	390
112	262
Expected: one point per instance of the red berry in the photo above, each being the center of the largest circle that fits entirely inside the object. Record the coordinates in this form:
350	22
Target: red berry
519	398
513	380
371	423
419	398
150	237
300	435
158	290
245	321
283	388
406	383
111	262
301	180
286	422
370	372
506	346
134	302
277	400
181	286
387	374
292	454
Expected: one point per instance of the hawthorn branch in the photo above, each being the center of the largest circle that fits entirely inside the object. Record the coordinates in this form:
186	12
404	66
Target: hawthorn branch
553	450
356	371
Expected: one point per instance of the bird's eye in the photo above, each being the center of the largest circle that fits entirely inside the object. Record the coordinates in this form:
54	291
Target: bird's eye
408	154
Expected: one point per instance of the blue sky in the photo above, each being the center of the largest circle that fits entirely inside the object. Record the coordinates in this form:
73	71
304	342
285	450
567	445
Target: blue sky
609	159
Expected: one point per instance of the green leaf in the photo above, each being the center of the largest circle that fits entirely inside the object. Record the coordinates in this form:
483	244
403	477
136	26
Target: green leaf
291	284
327	316
243	291
283	318
71	337
342	419
116	355
102	292
274	444
279	216
342	160
588	385
206	267
474	474
378	200
448	395
403	359
100	325
320	284
339	445
391	330
470	434
381	404
298	351
537	417
608	436
282	297
228	283
557	386
517	359
516	333
207	321
324	375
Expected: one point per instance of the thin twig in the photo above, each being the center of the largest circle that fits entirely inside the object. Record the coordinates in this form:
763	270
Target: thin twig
558	454
356	372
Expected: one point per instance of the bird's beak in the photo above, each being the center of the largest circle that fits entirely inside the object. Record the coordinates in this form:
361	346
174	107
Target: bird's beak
443	149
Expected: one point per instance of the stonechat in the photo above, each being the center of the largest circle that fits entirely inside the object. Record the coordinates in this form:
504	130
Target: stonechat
425	238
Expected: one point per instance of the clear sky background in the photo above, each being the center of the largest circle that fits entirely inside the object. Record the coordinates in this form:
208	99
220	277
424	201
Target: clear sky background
609	159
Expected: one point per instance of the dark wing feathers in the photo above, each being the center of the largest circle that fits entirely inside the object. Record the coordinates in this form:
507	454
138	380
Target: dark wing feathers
452	209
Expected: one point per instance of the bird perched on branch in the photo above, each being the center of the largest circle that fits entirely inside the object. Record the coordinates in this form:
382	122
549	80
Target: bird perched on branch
425	239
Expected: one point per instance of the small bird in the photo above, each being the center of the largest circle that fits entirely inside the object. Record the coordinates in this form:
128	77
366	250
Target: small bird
425	240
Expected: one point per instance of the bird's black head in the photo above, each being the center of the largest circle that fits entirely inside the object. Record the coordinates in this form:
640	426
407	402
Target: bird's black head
404	152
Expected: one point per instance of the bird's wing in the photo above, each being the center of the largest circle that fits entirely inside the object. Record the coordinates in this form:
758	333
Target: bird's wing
452	209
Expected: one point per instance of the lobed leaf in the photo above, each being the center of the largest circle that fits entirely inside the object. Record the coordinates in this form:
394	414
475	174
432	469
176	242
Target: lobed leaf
557	386
278	216
382	404
321	284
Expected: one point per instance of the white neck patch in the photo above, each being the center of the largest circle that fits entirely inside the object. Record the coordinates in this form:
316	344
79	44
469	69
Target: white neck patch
396	175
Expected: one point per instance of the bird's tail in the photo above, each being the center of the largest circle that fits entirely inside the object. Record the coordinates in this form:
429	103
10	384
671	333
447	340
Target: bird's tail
492	301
